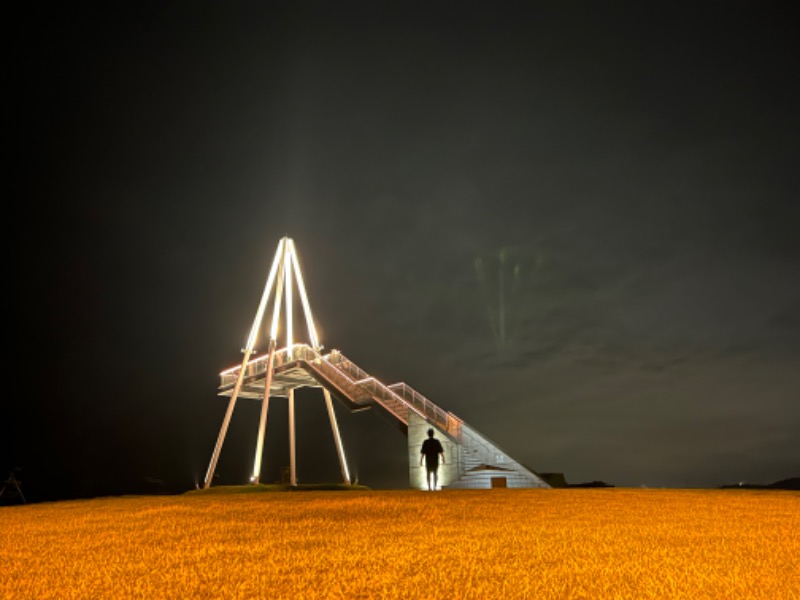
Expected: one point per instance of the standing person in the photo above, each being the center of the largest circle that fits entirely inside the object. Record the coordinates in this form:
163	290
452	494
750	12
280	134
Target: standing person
430	451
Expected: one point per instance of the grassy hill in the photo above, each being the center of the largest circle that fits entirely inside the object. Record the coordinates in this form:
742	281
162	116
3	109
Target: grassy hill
557	543
278	487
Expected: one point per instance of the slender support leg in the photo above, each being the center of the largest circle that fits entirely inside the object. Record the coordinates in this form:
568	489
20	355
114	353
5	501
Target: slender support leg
256	478
292	465
336	437
262	424
226	421
276	263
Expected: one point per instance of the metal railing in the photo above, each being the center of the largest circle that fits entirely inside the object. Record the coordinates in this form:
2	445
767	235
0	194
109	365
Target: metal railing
445	420
355	372
258	365
399	399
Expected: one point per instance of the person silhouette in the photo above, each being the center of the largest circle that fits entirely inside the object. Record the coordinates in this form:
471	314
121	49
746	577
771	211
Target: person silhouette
431	451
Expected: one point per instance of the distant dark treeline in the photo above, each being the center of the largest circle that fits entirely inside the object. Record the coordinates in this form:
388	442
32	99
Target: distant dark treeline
793	483
589	484
557	480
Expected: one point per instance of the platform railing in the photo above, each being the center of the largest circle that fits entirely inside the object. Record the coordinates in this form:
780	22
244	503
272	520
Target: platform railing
258	365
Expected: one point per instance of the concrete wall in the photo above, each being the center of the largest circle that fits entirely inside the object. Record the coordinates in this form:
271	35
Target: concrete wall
418	433
491	462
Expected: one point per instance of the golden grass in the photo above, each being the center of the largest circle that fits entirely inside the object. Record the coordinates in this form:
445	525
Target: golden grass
493	544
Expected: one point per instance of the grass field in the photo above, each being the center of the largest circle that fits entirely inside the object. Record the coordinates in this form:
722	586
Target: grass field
493	544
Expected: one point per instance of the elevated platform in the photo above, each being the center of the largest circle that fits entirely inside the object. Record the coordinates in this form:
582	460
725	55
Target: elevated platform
473	461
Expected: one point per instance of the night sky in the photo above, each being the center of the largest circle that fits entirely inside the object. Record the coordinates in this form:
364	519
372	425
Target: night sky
573	225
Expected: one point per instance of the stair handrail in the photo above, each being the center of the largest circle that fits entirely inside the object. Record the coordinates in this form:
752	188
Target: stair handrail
410	397
351	376
446	420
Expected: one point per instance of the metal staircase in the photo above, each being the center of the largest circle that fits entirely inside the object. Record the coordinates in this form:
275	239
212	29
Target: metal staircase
302	366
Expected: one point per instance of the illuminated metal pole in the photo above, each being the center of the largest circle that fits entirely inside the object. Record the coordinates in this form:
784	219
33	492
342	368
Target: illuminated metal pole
248	351
292	466
336	437
224	429
287	271
312	334
262	423
312	331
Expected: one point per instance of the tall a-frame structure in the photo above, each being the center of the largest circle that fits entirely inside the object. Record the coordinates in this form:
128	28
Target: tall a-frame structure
472	460
283	275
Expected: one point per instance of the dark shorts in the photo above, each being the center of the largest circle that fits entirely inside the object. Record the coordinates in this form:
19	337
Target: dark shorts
432	467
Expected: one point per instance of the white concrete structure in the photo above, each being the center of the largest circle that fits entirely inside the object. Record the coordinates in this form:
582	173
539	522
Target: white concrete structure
448	472
472	461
